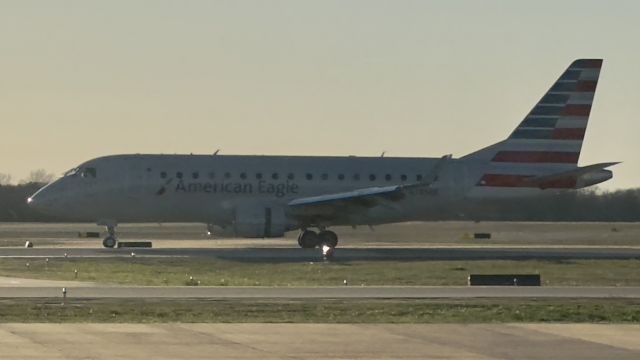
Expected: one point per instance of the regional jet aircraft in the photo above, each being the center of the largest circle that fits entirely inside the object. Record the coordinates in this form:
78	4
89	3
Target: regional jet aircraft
265	196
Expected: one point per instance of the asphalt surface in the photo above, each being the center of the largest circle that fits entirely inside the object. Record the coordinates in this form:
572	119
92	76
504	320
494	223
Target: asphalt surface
319	341
346	254
343	292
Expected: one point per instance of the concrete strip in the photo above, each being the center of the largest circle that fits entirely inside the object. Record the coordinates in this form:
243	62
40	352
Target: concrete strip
343	254
621	336
311	341
20	282
344	292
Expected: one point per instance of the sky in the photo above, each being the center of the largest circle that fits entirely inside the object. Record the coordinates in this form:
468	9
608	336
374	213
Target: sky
81	79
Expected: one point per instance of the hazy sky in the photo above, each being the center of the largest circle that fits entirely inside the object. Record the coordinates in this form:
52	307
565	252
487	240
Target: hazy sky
81	79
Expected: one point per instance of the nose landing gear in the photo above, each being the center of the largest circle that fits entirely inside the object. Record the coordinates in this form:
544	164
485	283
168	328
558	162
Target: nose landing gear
110	241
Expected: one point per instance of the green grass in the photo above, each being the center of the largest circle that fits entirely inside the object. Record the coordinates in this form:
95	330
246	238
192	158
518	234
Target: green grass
320	311
214	272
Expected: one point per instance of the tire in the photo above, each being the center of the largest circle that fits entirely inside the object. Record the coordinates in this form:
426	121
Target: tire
109	242
328	238
308	239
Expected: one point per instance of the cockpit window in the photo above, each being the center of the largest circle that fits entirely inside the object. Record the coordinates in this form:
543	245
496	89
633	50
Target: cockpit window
72	172
89	172
85	172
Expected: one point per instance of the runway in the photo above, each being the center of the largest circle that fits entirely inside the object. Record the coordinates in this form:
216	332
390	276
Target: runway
320	341
345	254
342	292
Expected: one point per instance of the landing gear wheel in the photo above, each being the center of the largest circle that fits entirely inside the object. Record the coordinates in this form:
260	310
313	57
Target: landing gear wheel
109	242
328	238
308	239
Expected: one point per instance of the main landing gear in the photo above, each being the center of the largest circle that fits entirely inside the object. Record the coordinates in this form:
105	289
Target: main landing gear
110	241
326	240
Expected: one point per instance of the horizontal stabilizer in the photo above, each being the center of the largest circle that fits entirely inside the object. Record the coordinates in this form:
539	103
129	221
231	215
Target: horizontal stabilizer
550	181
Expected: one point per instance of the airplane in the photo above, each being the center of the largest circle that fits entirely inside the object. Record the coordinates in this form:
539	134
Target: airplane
266	196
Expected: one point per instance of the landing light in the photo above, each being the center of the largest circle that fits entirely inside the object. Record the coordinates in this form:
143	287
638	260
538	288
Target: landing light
327	251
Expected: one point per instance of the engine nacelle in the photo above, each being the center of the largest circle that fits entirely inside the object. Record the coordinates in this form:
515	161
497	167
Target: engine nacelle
260	221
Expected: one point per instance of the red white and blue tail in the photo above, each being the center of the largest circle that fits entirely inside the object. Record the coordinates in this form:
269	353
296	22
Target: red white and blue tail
549	139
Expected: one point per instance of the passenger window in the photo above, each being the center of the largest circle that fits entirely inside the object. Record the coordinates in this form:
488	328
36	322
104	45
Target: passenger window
163	175
387	177
403	177
212	175
290	176
356	177
227	175
309	176
179	175
341	177
274	176
325	176
195	175
258	176
372	177
243	176
418	177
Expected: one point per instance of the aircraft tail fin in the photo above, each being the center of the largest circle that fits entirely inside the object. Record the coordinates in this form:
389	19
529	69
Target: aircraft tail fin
553	131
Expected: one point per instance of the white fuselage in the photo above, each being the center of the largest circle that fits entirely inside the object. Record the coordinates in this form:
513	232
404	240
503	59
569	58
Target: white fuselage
209	188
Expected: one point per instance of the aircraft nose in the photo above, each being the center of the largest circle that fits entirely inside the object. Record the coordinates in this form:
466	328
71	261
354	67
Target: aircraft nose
34	201
39	201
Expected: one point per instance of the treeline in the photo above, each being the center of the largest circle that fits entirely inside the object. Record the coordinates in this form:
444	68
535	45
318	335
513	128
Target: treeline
585	205
582	205
13	203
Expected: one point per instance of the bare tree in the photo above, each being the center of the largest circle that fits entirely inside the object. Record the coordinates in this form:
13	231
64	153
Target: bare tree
39	176
5	179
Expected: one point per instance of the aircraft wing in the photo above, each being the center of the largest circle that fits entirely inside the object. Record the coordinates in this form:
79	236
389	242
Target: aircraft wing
350	204
367	197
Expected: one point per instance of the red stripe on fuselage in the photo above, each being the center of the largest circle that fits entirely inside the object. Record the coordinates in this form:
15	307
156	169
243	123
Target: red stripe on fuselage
504	180
537	157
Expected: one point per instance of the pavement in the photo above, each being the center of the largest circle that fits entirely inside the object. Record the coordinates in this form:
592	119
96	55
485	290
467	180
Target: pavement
343	292
9	282
319	341
284	255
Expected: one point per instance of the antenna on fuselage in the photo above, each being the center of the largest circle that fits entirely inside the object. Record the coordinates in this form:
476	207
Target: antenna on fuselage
382	155
216	152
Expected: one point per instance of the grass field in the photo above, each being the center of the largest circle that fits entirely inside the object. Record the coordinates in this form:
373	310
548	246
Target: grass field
320	311
214	272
